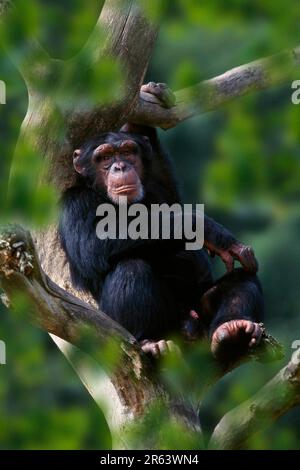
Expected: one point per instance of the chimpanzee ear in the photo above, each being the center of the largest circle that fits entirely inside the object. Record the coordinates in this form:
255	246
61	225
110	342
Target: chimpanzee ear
76	156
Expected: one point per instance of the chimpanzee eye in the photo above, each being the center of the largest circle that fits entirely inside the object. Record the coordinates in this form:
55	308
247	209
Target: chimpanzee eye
106	158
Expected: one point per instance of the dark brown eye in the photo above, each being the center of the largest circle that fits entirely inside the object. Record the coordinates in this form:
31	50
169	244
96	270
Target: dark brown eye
96	158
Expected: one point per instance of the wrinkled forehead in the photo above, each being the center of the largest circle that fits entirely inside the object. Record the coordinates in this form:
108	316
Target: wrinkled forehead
118	146
115	140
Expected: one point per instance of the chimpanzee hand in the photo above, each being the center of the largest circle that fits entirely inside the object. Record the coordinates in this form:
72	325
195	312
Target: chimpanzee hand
232	339
219	241
158	93
237	251
159	348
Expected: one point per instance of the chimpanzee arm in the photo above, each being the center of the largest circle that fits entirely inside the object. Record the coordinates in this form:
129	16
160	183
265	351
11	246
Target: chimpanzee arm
77	230
218	240
91	255
90	258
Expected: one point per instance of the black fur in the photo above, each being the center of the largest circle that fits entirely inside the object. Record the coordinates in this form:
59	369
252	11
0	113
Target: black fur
149	286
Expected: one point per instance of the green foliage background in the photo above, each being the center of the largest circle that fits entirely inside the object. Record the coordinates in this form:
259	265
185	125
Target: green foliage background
242	161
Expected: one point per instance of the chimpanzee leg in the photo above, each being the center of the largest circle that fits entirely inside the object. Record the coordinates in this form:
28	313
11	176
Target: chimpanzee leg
235	304
135	298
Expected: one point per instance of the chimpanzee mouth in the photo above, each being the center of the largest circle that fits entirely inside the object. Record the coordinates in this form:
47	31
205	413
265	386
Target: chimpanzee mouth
126	188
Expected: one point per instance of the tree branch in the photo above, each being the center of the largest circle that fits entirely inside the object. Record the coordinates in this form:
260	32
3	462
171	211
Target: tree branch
277	397
211	94
126	378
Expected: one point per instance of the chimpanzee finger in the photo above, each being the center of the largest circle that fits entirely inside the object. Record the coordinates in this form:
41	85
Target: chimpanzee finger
245	255
228	260
245	261
256	335
148	87
250	259
155	350
162	346
154	89
161	91
258	332
167	95
250	327
212	254
150	347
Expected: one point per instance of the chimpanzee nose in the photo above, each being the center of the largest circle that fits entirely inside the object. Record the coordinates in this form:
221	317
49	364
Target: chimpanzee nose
120	166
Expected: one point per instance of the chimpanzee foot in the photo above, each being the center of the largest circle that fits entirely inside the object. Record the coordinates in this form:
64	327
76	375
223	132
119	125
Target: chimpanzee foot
232	339
161	93
159	348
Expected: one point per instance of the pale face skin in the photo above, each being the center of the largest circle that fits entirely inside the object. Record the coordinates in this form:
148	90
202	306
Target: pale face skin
119	168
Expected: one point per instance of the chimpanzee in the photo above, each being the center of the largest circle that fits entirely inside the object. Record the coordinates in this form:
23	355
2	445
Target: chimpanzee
154	287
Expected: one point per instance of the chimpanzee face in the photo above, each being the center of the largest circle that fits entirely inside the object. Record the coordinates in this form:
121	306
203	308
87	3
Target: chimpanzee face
114	165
